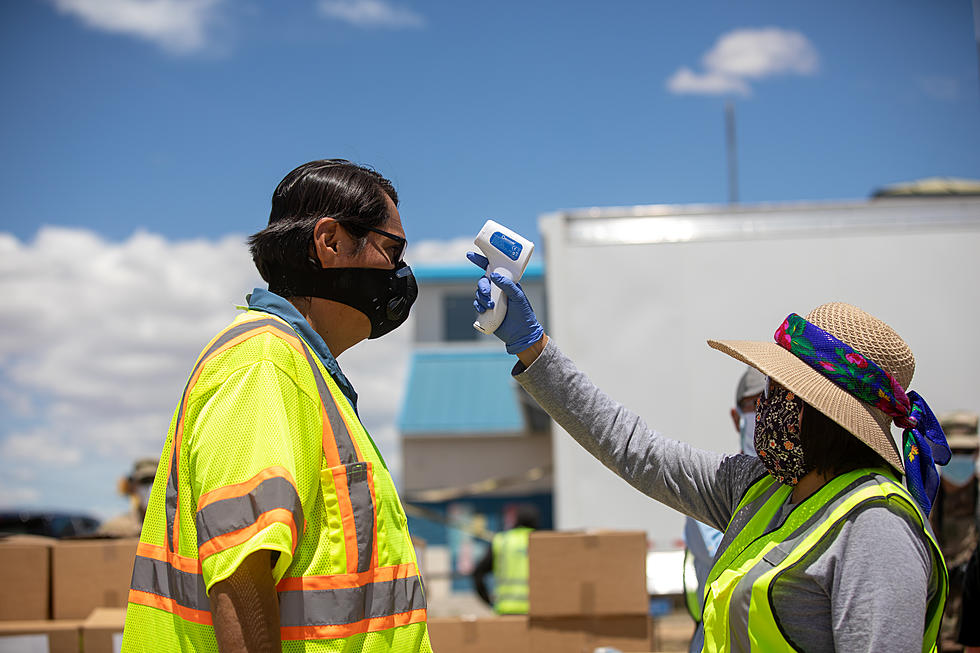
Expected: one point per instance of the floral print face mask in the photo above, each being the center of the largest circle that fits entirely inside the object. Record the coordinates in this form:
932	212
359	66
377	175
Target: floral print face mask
777	434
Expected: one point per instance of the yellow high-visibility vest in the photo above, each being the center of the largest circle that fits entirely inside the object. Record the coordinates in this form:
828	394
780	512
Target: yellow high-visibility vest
265	452
511	571
738	611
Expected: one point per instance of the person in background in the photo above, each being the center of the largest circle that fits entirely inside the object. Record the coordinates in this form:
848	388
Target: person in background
955	517
824	548
136	487
701	541
506	559
969	617
274	524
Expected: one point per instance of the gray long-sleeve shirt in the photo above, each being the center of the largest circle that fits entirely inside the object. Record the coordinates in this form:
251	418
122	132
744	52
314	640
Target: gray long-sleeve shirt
865	589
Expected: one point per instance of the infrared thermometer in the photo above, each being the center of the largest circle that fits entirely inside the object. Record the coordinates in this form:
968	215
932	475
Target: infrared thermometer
508	253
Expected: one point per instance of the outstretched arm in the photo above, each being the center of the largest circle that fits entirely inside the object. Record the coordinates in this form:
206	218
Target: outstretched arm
699	483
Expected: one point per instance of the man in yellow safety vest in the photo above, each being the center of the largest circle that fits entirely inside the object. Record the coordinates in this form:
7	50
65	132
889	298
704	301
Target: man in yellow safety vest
273	523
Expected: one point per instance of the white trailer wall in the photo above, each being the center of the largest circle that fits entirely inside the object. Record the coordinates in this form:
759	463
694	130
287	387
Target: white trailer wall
634	293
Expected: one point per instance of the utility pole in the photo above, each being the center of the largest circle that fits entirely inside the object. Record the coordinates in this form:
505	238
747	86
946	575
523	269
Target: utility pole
732	154
976	26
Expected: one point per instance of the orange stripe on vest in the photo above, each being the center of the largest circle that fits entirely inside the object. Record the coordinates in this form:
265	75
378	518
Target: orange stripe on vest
223	542
348	581
169	605
348	630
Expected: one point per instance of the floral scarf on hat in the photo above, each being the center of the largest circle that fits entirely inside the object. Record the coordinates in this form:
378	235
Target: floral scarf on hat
777	434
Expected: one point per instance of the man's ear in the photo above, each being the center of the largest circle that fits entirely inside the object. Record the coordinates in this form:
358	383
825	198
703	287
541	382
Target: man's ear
326	240
734	414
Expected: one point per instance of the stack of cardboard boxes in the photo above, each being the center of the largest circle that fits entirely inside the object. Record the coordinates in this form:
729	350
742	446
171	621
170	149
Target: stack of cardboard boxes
587	590
53	593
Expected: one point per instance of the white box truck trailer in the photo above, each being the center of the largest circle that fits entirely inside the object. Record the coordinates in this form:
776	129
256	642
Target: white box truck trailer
634	293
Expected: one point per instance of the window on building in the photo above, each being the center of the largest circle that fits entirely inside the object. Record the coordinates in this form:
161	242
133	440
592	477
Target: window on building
458	316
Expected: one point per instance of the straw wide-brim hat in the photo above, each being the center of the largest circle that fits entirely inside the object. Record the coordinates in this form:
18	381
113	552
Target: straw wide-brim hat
867	335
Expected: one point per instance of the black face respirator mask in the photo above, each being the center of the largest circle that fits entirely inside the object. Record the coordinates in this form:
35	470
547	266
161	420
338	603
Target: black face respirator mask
385	296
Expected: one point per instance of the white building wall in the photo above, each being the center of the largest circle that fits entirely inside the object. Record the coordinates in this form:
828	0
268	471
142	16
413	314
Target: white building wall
635	316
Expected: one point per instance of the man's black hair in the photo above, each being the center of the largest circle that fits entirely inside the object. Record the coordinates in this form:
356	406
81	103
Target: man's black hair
351	194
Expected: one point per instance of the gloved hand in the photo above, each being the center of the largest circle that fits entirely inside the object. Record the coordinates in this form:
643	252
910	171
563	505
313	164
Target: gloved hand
520	328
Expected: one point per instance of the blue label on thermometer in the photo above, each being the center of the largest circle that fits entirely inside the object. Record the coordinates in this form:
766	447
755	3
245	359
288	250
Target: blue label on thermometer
510	247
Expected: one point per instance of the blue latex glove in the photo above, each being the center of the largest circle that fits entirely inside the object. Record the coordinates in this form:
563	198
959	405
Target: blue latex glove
520	328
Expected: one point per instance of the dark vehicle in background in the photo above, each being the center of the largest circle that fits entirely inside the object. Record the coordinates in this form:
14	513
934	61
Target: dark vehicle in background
46	522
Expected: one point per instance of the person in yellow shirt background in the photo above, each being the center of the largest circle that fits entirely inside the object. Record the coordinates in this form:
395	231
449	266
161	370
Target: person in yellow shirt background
506	559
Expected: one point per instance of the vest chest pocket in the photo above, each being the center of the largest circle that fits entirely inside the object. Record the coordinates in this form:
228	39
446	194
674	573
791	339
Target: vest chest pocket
394	543
349	509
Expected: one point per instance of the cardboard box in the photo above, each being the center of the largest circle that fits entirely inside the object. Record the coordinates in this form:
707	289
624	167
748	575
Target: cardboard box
507	633
596	574
89	574
585	634
25	567
40	636
102	631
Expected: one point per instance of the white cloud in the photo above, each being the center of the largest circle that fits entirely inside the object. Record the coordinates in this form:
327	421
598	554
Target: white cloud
710	83
440	251
97	339
371	13
18	496
747	54
39	446
179	26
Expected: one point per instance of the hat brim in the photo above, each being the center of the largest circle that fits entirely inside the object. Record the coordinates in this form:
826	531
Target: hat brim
865	422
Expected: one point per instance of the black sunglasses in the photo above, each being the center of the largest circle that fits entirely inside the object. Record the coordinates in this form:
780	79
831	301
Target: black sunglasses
399	255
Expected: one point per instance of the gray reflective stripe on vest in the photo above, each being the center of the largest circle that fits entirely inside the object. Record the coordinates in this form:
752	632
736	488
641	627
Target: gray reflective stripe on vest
738	610
345	446
229	515
363	507
741	518
158	577
337	607
170	500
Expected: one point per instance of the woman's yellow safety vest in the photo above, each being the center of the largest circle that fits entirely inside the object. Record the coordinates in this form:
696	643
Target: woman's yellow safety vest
346	572
738	611
511	571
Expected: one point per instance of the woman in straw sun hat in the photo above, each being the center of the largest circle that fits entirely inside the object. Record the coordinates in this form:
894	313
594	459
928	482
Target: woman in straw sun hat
824	548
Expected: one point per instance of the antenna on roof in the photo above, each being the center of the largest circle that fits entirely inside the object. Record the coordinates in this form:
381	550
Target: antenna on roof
732	155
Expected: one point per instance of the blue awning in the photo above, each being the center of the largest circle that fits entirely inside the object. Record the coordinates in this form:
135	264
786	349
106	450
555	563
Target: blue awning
461	392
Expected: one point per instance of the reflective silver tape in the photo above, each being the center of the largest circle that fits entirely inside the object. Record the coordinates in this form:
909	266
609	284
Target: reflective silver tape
349	605
158	577
363	507
170	499
345	446
229	515
741	518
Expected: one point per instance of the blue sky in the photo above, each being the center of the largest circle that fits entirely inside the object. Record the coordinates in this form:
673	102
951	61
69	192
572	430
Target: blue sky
503	110
142	140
